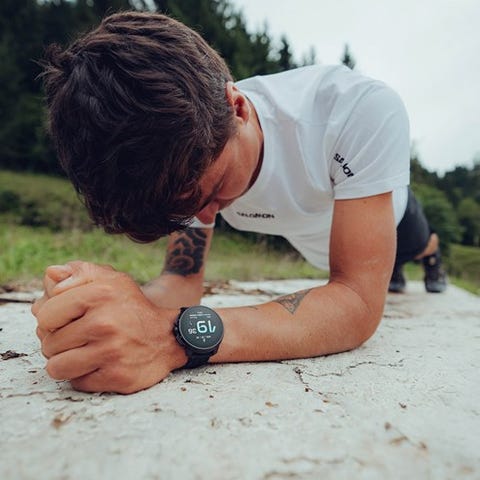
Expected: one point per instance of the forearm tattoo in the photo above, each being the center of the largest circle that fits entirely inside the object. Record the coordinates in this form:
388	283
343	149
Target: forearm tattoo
292	301
185	256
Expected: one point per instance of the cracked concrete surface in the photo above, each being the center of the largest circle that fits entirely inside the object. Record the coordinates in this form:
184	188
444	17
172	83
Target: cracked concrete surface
403	405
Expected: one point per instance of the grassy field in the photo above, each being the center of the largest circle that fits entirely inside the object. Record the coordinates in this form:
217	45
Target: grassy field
462	265
26	251
42	222
40	201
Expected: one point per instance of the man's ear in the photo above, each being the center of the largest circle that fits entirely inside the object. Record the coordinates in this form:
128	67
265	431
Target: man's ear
238	101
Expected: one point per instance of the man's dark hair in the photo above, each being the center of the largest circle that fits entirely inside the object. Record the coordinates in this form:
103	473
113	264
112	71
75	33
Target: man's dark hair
137	112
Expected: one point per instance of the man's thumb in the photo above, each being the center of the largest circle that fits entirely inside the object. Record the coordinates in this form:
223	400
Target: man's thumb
77	273
64	277
59	272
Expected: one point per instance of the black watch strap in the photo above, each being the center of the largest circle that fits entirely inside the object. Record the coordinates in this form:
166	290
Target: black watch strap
196	359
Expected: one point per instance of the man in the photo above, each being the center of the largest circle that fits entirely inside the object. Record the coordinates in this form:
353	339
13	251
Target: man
153	132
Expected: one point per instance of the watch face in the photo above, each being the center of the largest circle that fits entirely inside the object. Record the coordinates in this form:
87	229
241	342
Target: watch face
201	328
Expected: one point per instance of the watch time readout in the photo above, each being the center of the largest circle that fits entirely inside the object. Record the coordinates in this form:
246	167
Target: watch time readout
201	327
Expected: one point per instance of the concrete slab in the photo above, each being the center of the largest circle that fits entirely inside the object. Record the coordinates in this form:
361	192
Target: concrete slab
404	405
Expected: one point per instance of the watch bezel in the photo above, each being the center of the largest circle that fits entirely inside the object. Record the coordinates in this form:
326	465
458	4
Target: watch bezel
181	335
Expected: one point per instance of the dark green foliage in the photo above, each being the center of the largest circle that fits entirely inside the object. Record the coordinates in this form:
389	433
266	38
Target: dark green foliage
224	28
9	201
464	263
451	202
27	26
462	186
468	212
460	195
347	58
440	214
285	60
419	174
20	109
462	182
40	201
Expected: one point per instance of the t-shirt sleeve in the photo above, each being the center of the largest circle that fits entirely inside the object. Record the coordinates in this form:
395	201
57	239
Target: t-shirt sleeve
196	223
372	151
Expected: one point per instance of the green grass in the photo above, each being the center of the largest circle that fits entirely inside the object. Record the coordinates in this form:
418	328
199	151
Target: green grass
63	232
25	252
234	257
40	201
462	265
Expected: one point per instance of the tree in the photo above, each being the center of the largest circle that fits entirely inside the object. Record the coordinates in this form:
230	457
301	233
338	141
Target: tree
418	172
285	61
27	26
462	182
440	214
22	142
310	58
347	58
224	28
468	213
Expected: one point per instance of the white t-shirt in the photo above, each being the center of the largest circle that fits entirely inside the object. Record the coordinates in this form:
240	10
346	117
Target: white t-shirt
329	133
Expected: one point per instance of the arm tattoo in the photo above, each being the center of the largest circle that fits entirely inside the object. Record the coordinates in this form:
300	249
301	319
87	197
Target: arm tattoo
186	254
292	302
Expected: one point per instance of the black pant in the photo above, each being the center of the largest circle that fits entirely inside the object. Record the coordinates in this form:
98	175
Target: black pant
413	231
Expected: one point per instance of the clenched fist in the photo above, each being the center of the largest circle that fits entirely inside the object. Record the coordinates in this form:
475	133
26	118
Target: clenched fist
98	330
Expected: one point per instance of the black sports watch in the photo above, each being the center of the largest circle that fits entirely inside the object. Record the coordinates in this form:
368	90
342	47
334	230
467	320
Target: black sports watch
199	330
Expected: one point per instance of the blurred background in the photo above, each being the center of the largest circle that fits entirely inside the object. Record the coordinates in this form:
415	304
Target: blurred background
427	51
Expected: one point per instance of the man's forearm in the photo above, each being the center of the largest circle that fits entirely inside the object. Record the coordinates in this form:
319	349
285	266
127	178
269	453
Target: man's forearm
174	291
181	281
308	323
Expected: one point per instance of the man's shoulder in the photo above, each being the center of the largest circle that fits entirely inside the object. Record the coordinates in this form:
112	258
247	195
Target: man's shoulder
294	74
329	89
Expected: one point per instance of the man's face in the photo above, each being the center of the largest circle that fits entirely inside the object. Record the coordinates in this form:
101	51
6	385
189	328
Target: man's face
232	173
226	180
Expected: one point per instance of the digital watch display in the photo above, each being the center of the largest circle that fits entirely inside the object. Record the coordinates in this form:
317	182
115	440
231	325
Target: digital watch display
199	330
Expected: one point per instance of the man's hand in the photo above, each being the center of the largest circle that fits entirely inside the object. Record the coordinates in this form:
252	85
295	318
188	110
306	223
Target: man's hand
99	331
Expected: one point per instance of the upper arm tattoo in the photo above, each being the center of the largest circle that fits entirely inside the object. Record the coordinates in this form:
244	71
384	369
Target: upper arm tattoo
185	255
292	301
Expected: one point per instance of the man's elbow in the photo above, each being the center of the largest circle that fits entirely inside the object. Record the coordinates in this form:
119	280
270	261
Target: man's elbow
364	313
365	327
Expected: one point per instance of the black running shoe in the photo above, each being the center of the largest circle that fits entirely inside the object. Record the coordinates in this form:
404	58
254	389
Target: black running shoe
397	282
435	278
